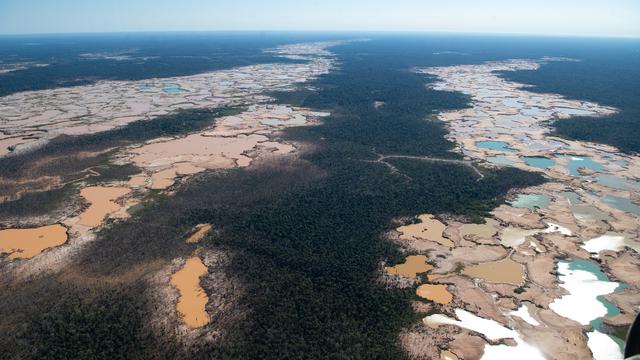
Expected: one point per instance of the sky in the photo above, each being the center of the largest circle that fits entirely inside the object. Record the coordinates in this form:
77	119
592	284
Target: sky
610	18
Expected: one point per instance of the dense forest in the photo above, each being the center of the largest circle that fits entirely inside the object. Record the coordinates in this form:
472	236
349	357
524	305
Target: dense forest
84	59
608	75
67	157
306	233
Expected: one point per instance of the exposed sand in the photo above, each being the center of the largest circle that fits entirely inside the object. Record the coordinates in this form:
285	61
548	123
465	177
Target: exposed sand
101	200
27	243
199	150
137	181
514	237
115	103
448	355
492	330
234	141
7	144
581	304
192	301
587	211
610	241
231	141
524	312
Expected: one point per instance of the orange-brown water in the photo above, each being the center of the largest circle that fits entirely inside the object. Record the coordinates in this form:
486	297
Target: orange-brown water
193	300
435	292
413	265
165	178
101	199
27	243
502	271
429	229
483	231
201	231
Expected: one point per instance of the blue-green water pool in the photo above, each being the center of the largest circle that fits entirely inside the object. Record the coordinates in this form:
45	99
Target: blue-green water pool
540	162
494	145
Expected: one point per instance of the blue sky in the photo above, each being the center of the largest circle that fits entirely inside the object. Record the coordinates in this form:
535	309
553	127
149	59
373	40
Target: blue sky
546	17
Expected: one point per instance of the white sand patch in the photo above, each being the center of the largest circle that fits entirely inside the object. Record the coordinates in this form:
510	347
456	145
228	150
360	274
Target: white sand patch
584	287
514	237
605	242
603	347
523	313
493	331
557	228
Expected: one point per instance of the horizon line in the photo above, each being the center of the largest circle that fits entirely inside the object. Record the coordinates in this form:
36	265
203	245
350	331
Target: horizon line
319	31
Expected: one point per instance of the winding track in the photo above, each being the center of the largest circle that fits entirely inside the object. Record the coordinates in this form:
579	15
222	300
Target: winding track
381	159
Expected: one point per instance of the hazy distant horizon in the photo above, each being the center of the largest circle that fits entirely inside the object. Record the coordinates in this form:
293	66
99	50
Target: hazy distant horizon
586	18
321	32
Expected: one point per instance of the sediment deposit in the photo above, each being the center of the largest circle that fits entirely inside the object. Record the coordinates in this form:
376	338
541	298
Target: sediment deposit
587	210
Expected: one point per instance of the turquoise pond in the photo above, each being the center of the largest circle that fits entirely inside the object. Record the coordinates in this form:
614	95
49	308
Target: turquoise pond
617	182
513	102
536	111
145	88
584	211
573	198
173	88
620	162
499	160
494	145
581	162
611	160
540	162
531	201
612	310
168	88
622	204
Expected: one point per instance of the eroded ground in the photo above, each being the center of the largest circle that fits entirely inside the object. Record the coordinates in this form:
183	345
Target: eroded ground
234	141
199	289
31	117
193	300
541	276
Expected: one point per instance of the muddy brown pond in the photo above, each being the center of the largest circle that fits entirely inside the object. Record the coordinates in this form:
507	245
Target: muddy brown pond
503	271
102	203
412	266
435	292
193	300
27	243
